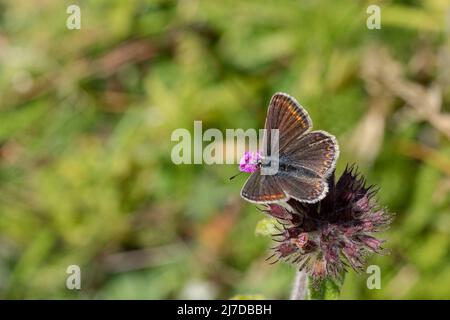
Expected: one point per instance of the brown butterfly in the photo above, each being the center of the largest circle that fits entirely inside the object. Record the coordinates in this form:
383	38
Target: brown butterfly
304	159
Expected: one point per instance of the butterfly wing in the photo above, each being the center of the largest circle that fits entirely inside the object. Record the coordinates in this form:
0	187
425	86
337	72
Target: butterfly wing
315	152
309	161
289	117
304	189
306	158
263	189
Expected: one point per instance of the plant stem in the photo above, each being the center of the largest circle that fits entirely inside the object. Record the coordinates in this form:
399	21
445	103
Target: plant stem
300	287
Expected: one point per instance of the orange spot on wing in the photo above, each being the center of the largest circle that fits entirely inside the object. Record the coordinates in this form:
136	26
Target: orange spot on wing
272	196
296	116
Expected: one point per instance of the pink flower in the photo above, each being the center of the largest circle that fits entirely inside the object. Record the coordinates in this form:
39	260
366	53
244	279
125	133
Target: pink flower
326	238
250	162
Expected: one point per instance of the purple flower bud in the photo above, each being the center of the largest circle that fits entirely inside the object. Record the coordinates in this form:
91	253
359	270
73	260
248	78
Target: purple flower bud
371	242
278	211
285	249
361	205
250	162
301	240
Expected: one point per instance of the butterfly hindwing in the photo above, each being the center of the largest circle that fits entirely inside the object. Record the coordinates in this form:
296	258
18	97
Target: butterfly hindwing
316	151
304	189
262	188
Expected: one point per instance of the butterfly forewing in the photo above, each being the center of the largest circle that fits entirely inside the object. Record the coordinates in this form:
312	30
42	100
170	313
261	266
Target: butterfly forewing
289	117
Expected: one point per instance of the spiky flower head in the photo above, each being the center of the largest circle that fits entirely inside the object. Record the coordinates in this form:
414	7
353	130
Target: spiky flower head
324	238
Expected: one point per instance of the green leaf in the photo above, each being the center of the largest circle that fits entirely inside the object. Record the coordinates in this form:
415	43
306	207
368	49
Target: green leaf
410	18
327	289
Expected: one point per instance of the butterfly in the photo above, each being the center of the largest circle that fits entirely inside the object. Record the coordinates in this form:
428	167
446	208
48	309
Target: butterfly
304	158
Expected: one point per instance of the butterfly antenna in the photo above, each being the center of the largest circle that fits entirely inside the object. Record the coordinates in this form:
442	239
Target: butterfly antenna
231	178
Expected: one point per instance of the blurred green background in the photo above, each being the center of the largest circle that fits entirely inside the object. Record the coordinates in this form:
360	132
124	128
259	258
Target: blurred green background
86	118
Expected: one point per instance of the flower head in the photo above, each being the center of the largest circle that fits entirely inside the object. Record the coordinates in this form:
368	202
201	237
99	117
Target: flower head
325	237
250	162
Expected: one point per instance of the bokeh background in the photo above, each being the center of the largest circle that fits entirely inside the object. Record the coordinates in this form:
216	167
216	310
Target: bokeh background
86	118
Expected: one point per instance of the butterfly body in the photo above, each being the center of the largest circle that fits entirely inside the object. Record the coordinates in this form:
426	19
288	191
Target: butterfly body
303	160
